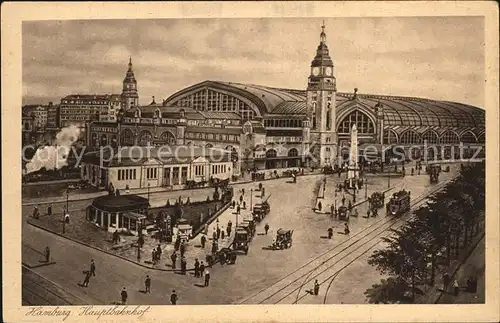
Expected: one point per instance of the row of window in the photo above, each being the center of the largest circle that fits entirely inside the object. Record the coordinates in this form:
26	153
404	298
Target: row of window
218	169
152	173
212	136
83	102
287	139
210	100
431	137
283	123
126	174
199	170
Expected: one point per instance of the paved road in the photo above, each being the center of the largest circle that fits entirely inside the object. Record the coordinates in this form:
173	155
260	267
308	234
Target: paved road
290	208
338	254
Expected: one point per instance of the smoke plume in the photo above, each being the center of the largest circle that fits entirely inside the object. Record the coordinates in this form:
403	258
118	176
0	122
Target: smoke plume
54	157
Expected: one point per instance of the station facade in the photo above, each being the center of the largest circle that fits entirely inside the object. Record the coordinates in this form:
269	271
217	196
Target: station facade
269	127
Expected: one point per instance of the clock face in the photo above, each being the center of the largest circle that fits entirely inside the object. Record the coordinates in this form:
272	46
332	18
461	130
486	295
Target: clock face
315	71
329	71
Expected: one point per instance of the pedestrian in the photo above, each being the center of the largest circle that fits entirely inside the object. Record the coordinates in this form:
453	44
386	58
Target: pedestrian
201	269
86	280
343	200
124	296
332	209
207	278
222	233
346	229
455	288
241	199
228	231
196	268
153	256
243	191
330	233
214	247
183	265
92	267
218	233
203	241
147	283
229	224
158	252
182	249
173	298
47	254
368	213
244	205
319	206
173	257
374	212
238	209
234	204
49	210
316	287
266	228
349	205
214	235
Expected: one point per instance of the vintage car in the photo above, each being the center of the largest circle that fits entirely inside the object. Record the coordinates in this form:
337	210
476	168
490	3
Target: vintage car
260	210
241	239
343	213
246	226
227	255
283	239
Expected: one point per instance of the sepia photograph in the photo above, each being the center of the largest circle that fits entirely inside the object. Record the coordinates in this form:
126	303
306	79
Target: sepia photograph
253	160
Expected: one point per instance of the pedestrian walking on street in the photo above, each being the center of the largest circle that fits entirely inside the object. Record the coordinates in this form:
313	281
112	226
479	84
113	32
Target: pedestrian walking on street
153	256
183	265
241	199
222	233
173	298
368	213
147	284
346	229
330	233
214	235
238	209
244	205
196	268
316	287
49	210
207	278
182	249
243	191
456	288
266	228
201	270
446	281
343	200
229	224
124	296
173	257
158	252
349	205
228	230
234	204
47	254
332	210
86	280
214	247
319	206
203	241
92	267
218	233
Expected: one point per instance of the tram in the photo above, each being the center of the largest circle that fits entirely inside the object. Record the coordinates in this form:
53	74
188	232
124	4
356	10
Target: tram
399	203
433	171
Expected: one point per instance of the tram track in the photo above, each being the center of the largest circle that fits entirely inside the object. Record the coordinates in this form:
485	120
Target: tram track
291	281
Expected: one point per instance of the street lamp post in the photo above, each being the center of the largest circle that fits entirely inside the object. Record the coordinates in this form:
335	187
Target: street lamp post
251	197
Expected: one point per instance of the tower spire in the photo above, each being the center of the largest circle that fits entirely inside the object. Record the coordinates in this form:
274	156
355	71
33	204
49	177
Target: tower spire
323	35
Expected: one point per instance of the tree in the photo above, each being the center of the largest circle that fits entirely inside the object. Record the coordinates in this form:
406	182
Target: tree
389	291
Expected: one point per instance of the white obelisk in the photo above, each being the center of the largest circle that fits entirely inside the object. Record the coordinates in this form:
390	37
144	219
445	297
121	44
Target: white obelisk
353	170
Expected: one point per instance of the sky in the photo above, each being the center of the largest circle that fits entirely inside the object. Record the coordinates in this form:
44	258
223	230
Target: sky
431	57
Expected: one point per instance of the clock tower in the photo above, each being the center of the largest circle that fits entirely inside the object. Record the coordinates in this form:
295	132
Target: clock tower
130	97
321	100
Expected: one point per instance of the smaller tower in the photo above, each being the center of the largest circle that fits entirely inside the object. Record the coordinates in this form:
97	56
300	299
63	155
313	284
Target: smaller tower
130	96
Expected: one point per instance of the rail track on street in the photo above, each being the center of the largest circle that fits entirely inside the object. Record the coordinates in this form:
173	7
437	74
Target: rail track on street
289	289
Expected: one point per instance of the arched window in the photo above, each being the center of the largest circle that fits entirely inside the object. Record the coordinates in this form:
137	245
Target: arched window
430	136
145	138
293	152
209	146
363	124
168	138
271	153
157	113
468	137
104	140
390	137
314	115
480	139
409	137
449	137
127	138
137	113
